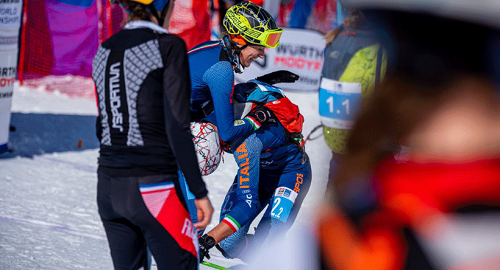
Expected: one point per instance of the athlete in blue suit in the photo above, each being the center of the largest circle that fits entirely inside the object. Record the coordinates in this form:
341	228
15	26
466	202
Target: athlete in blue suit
212	67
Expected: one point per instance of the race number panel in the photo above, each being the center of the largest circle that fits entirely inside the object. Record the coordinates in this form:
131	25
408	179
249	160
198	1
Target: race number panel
339	103
282	203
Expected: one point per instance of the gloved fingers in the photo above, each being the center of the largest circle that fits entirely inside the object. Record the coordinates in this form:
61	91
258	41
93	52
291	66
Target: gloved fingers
279	76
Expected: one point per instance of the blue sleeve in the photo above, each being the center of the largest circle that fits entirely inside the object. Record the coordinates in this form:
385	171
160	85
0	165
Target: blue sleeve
220	80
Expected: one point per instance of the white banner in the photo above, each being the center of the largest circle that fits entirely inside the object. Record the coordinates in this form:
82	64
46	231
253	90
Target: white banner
10	22
10	14
8	68
300	51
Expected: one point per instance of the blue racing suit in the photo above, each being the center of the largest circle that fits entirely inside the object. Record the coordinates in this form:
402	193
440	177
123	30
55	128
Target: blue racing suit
212	81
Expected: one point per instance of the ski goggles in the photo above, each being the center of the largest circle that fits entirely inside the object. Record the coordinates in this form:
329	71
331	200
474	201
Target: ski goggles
269	38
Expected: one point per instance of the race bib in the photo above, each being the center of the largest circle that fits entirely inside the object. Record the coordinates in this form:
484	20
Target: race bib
282	203
339	103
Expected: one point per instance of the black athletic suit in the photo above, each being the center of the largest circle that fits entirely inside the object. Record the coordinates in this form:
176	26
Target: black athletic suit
143	90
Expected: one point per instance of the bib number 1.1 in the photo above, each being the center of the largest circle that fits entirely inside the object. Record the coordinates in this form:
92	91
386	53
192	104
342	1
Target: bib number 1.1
339	103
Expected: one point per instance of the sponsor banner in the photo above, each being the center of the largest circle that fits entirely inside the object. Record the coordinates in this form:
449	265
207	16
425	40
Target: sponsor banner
10	15
300	51
8	68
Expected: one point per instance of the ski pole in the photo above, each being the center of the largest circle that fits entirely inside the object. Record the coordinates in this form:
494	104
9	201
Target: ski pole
213	265
308	138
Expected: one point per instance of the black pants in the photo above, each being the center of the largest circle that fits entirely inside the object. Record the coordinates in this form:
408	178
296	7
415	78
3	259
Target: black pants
145	211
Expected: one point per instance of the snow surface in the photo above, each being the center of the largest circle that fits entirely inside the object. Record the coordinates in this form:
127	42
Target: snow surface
48	211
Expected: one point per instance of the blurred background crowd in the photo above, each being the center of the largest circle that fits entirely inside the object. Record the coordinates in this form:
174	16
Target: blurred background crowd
60	37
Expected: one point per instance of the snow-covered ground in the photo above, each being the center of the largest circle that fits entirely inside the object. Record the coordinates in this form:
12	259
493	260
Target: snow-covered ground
48	212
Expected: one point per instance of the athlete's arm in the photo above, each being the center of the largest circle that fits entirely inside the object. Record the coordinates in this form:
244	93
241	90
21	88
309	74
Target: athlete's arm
221	232
220	79
176	96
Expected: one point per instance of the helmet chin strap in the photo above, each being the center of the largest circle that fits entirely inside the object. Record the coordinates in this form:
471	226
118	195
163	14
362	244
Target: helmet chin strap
233	53
239	68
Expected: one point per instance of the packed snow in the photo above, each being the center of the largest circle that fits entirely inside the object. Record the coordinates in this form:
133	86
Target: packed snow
48	211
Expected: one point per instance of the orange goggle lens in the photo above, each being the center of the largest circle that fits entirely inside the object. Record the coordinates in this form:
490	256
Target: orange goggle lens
273	39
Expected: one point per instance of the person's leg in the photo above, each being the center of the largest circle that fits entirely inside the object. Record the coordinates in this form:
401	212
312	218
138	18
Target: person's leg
160	216
286	201
168	229
126	242
332	170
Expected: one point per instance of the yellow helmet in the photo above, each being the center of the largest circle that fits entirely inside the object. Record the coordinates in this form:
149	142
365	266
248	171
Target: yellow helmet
253	23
